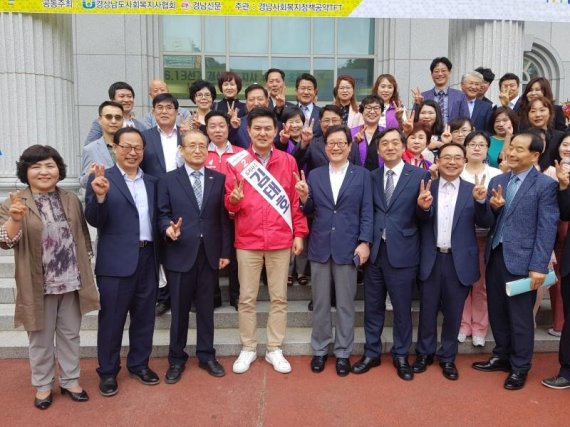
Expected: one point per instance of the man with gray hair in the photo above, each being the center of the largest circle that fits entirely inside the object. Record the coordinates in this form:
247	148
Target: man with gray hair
479	111
156	87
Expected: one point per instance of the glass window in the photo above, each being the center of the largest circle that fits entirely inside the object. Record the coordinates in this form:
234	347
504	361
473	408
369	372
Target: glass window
248	34
180	71
292	68
291	36
215	29
323	30
356	36
250	69
362	70
215	65
324	73
182	34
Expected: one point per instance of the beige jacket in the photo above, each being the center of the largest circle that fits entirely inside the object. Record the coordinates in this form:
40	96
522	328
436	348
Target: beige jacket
29	266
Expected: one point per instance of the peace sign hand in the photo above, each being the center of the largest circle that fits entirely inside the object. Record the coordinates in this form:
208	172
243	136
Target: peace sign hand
307	133
563	175
185	125
100	184
504	98
196	121
301	186
408	125
17	207
235	121
399	110
446	137
480	189
280	98
236	195
497	201
425	198
418	97
359	136
173	230
284	135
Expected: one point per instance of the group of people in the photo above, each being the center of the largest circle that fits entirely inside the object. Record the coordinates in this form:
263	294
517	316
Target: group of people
409	197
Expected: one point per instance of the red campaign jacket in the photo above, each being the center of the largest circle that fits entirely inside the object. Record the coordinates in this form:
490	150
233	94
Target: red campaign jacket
219	164
258	225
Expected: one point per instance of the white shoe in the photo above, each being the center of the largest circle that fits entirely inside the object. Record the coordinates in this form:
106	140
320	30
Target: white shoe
478	341
245	359
279	362
461	337
554	333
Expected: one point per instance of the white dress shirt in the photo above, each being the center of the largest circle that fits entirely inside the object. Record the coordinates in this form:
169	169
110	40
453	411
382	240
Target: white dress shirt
138	192
169	142
398	169
337	177
446	199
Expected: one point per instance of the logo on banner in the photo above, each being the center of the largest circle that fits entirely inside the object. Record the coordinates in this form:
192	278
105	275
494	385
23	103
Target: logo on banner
89	4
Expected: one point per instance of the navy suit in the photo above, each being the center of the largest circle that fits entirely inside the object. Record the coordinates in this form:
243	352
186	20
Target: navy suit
153	162
337	229
481	115
192	261
447	277
126	273
394	262
529	232
456	103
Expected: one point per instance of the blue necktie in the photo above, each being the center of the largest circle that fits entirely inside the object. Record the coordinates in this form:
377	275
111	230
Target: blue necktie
509	196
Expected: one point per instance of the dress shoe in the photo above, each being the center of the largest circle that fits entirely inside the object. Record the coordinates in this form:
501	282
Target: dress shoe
449	370
318	363
310	306
234	304
108	386
45	402
515	381
161	308
146	376
213	367
82	396
422	362
404	369
217	302
174	373
493	364
342	366
558	383
365	364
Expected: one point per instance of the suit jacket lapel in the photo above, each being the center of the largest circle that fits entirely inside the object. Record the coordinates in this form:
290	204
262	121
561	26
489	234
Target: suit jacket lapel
117	179
29	201
208	182
381	189
104	151
158	147
150	199
524	187
348	177
186	184
463	196
434	189
402	182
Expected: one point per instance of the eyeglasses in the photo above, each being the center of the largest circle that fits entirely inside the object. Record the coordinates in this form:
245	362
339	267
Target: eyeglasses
161	108
449	158
192	147
371	108
462	131
126	149
339	144
472	145
203	96
111	117
332	121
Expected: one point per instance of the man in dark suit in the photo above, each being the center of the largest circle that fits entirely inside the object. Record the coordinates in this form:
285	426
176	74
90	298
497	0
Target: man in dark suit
488	77
196	226
509	92
306	91
395	254
520	245
275	85
451	101
449	256
479	111
339	197
562	380
121	203
161	155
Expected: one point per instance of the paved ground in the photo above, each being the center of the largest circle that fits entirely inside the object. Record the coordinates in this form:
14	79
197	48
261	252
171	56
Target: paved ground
262	397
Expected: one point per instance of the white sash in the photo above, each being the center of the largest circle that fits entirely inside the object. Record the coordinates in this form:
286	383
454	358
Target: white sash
263	182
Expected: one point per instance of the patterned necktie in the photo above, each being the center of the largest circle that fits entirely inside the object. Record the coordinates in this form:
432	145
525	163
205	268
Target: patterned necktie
509	196
305	111
389	186
197	187
441	103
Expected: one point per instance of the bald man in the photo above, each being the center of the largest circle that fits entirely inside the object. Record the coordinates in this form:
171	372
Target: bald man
156	87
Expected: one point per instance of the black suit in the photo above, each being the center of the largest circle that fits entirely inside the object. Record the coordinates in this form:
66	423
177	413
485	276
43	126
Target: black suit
192	261
564	351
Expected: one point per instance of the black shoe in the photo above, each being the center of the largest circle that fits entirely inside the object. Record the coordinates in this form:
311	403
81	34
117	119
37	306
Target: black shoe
82	396
493	364
342	366
174	373
217	302
449	370
146	376
234	304
403	367
161	308
365	364
422	362
45	402
108	386
213	367
318	363
557	383
515	381
310	306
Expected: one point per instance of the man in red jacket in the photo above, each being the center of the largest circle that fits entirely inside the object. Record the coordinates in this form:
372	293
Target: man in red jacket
260	192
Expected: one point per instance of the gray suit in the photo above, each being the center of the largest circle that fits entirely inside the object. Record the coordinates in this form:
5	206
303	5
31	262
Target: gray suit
94	152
